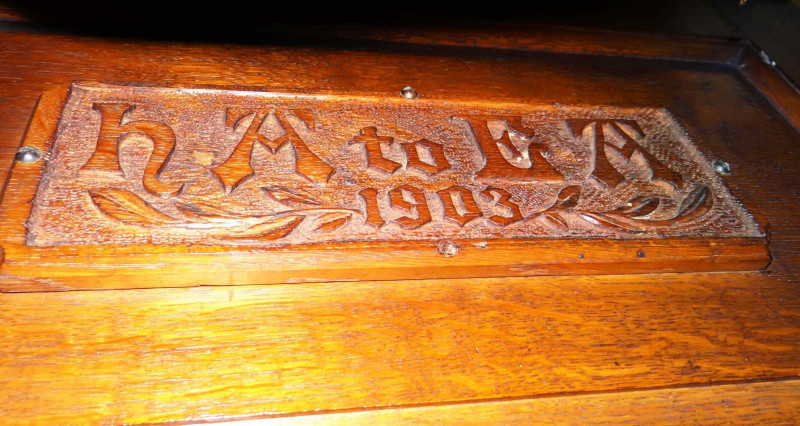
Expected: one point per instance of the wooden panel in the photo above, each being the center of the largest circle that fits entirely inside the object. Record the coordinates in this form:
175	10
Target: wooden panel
167	354
210	353
167	179
260	169
741	404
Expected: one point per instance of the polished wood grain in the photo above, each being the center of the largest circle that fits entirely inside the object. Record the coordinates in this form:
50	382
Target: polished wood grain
225	352
741	404
62	269
204	353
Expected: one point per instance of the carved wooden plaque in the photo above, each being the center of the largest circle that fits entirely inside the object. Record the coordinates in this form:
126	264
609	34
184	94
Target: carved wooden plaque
368	187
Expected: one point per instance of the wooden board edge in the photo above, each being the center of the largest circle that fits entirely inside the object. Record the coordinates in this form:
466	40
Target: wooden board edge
784	96
751	403
422	260
27	268
38	127
543	39
546	39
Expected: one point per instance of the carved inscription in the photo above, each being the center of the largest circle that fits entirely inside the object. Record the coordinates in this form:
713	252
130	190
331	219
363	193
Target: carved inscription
167	166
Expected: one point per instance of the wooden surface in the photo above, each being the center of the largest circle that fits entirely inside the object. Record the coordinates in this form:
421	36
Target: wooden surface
150	195
547	39
747	404
598	344
204	353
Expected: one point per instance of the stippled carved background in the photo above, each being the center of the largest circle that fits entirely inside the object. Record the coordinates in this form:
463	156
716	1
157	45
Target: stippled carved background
134	165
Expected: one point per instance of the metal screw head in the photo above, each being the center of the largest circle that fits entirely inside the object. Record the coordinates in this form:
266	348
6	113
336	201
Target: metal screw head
766	59
28	154
448	248
409	93
721	167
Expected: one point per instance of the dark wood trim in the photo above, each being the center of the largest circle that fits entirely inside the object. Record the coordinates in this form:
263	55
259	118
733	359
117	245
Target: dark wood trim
773	85
548	39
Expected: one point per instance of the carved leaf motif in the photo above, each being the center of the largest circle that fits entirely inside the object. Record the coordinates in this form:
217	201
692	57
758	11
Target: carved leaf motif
204	212
639	207
127	207
291	197
332	221
270	228
556	220
568	197
613	221
695	205
693	201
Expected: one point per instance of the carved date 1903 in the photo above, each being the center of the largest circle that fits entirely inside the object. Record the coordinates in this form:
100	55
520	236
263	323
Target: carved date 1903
167	166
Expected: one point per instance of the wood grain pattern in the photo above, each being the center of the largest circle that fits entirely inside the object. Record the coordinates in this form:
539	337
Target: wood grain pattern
741	404
164	354
388	261
214	353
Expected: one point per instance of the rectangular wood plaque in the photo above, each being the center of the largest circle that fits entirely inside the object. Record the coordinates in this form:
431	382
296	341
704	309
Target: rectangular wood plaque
146	187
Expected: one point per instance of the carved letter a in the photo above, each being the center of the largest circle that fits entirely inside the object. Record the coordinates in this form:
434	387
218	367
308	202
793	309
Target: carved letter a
237	166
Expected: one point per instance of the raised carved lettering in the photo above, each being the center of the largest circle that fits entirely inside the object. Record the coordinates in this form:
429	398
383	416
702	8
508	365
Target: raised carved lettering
372	213
501	198
459	205
415	206
374	147
510	151
152	162
273	129
427	156
618	137
114	128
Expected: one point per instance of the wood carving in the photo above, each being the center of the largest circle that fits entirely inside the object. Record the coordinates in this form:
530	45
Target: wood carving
643	348
183	187
167	166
